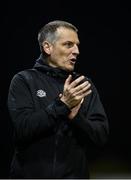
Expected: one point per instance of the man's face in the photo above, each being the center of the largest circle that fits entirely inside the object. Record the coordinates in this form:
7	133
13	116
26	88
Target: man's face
63	53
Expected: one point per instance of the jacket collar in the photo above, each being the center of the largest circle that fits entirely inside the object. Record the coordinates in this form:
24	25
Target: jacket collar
42	66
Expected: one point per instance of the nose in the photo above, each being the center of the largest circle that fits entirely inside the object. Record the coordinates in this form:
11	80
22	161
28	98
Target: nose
76	50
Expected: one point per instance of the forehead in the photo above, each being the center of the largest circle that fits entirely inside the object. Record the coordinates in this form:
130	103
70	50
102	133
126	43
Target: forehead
66	34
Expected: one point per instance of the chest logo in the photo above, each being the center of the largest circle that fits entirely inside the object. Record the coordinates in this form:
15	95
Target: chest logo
41	93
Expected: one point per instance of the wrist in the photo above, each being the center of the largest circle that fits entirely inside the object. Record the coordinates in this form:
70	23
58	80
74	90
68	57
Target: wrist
64	101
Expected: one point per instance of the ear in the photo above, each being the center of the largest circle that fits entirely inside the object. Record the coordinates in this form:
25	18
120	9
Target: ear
47	47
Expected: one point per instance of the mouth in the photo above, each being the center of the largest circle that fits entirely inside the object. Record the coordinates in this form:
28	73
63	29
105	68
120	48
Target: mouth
73	60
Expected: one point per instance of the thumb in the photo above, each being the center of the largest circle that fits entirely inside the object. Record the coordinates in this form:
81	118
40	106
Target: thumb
60	95
82	101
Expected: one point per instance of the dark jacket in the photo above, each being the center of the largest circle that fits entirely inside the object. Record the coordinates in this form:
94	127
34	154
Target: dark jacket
48	144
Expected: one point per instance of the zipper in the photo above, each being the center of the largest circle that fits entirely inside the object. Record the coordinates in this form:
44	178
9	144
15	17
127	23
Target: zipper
58	135
55	154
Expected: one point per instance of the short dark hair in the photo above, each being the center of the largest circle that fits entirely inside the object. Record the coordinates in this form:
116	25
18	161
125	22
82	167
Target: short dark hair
48	31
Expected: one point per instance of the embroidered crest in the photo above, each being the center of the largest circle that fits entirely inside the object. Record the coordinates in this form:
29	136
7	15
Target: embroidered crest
41	93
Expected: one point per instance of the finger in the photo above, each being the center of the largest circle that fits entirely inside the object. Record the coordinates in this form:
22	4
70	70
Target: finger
82	101
87	93
82	86
68	80
82	89
83	94
77	81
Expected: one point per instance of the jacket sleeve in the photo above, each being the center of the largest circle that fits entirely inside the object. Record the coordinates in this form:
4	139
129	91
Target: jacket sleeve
29	122
92	119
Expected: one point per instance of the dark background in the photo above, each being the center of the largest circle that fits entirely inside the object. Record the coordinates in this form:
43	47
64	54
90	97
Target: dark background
105	51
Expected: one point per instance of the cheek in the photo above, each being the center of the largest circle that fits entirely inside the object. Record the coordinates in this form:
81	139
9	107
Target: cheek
61	57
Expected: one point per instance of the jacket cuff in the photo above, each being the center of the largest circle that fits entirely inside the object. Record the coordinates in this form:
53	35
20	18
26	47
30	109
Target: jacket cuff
58	109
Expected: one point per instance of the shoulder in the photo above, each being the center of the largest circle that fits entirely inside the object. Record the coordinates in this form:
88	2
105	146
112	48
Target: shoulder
23	78
87	78
27	72
24	74
93	86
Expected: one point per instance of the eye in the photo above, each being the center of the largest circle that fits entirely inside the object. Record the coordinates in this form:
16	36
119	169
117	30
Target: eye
69	44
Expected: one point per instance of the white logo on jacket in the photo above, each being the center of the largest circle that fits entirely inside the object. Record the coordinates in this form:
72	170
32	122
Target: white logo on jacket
41	93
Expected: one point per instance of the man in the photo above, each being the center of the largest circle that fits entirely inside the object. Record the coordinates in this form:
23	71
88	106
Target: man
55	111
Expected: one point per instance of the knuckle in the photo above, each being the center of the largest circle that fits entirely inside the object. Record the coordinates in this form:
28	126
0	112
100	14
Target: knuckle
76	98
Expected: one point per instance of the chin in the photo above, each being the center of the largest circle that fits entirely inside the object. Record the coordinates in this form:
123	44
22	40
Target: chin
70	69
